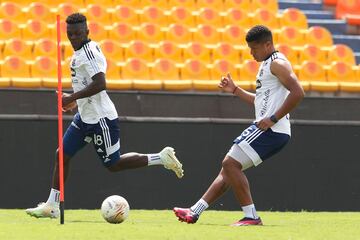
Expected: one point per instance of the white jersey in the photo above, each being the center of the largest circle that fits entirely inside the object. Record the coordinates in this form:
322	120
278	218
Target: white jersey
271	94
85	63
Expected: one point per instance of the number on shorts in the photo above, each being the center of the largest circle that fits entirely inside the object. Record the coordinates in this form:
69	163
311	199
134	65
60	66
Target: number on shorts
98	140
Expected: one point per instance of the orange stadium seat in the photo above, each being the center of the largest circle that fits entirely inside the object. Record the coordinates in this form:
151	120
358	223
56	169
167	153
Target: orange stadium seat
97	31
79	3
18	47
207	34
247	74
290	53
125	14
150	33
244	5
291	36
112	70
239	17
125	2
181	15
8	29
345	75
178	33
198	51
163	4
293	17
105	3
226	51
221	67
314	74
45	69
341	53
187	4
312	53
271	5
45	47
66	9
234	34
139	49
67	50
168	50
41	11
152	14
330	2
34	29
112	50
113	77
209	16
318	36
214	4
266	17
12	11
98	13
194	70
122	32
66	71
245	54
344	9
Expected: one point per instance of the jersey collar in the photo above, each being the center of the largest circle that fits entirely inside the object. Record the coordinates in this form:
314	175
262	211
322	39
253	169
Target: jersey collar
271	55
82	45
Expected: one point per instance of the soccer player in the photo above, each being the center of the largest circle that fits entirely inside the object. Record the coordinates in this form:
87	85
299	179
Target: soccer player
96	120
277	93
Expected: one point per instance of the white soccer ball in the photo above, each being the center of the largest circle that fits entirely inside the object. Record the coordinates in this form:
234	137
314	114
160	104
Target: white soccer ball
115	209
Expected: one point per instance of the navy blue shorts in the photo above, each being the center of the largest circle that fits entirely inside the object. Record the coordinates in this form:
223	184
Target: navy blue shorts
104	135
260	145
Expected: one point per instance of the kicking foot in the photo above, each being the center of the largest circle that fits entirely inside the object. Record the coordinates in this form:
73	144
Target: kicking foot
44	210
186	215
169	160
247	222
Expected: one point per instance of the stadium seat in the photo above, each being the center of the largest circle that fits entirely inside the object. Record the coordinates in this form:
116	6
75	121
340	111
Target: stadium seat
245	54
168	50
291	36
34	29
66	9
341	53
97	13
234	34
290	53
44	67
18	47
65	70
344	9
78	3
266	17
209	16
226	51
41	11
8	29
112	50
207	34
293	17
244	5
45	47
318	36
247	74
150	33
194	70
178	33
139	49
239	17
112	70
271	5
97	31
152	14
198	51
221	67
187	4
213	4
163	4
67	49
330	2
12	11
312	53
125	14
122	32
181	15
107	3
345	75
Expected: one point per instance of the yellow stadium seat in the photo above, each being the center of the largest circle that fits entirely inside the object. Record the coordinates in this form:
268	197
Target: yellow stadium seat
152	14
181	15
139	49
65	69
290	53
226	51
105	3
125	14
315	74
221	67
207	34
293	17
125	2
163	4
67	50
312	53
341	52
150	33
98	13
112	70
18	47
97	31
318	36
187	4
45	47
12	11
5	82
214	4
291	36
341	72
122	33
178	33
267	18
234	34
271	5
66	9
198	51
239	17
44	67
247	74
78	3
168	50
8	29
245	54
209	16
41	11
244	5
194	70
135	68
112	50
34	29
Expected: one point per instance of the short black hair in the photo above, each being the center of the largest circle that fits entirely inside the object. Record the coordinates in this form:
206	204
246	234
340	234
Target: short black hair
76	18
259	33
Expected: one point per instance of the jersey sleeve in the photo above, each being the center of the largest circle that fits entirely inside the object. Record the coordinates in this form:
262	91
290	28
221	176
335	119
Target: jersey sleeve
95	61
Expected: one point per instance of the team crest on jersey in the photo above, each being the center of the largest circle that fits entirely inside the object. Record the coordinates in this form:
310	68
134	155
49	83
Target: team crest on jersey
258	84
261	72
73	62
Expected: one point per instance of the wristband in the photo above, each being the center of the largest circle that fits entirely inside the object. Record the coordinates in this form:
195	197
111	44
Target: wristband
235	89
273	118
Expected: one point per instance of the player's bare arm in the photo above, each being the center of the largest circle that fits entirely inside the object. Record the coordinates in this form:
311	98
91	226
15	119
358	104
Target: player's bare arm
227	85
287	77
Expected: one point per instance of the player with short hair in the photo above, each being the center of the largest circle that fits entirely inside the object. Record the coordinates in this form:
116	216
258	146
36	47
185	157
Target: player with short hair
277	93
96	120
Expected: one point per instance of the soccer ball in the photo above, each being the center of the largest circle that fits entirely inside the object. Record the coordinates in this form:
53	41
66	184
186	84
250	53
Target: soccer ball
115	209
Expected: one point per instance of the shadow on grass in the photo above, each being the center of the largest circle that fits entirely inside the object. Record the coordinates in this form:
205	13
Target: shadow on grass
228	225
83	221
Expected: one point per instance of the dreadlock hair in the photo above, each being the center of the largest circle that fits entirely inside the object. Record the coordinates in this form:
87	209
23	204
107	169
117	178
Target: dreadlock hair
76	18
259	34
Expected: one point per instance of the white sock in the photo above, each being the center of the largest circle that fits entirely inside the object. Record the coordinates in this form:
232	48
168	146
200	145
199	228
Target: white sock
200	206
54	197
250	211
154	159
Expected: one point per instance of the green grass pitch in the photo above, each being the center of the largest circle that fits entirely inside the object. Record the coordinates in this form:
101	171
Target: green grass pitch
162	224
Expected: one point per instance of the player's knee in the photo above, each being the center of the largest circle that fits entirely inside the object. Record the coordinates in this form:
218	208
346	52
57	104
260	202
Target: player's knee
229	164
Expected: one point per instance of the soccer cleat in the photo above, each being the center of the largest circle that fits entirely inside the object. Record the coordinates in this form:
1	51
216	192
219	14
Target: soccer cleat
186	215
247	222
169	160
44	210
